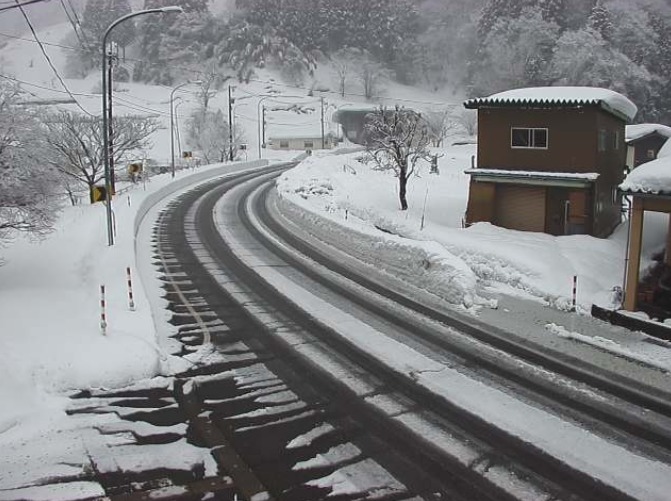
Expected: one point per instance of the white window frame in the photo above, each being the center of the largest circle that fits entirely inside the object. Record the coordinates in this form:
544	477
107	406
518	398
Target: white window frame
309	144
284	144
531	132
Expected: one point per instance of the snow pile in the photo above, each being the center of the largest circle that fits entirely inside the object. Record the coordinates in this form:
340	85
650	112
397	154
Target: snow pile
323	181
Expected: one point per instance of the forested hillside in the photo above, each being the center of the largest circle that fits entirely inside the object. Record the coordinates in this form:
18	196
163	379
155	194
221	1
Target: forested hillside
479	46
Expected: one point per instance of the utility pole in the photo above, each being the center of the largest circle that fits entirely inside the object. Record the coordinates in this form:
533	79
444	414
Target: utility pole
230	124
112	61
322	101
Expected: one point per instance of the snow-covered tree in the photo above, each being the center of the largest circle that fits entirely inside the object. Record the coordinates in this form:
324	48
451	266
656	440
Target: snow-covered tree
515	53
29	189
495	11
584	58
73	144
208	134
554	11
600	20
98	15
634	36
397	140
249	46
448	24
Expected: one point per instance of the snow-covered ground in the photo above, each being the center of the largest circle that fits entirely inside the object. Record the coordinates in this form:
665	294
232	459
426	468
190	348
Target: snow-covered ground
51	339
535	265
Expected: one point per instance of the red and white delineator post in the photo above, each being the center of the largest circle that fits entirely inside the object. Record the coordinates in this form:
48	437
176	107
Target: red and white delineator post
131	303
103	316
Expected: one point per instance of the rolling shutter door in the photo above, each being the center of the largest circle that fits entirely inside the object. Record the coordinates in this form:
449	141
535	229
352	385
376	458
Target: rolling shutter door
520	207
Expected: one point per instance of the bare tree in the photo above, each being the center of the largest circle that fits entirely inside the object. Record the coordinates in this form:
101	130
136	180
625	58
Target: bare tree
211	83
371	73
438	124
341	69
29	198
468	119
397	140
74	143
344	63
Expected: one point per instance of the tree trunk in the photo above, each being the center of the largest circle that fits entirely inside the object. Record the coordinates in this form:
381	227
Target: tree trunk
402	185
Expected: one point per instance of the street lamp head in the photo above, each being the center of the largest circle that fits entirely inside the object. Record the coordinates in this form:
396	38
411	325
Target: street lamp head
171	8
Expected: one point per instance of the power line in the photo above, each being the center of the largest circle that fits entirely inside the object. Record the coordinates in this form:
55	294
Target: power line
75	26
194	70
21	5
46	56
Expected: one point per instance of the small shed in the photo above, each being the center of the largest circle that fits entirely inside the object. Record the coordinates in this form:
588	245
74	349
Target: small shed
550	159
649	188
644	142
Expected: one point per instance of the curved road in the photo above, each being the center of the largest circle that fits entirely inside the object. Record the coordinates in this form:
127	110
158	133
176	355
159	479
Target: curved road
334	380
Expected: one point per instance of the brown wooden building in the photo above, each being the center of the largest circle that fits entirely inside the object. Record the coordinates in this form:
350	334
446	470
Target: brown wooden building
649	189
644	142
550	160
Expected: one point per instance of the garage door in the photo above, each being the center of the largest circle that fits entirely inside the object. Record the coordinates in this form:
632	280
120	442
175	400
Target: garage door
520	207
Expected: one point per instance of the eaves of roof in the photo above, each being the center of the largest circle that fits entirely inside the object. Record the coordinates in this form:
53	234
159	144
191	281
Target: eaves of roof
577	180
542	104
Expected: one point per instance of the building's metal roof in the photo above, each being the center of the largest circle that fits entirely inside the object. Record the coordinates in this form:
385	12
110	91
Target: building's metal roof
558	97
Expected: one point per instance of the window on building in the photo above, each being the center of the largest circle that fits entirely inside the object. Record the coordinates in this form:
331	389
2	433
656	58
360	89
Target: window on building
309	145
529	138
651	154
602	139
616	140
284	144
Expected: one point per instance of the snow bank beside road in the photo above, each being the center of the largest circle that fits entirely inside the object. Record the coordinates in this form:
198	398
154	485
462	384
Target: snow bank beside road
317	183
355	208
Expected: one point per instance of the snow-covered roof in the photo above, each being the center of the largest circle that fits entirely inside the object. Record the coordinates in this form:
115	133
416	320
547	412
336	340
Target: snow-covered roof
652	177
634	132
609	100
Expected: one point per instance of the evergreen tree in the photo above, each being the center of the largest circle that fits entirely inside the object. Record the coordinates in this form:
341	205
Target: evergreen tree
554	11
496	10
98	15
601	21
515	53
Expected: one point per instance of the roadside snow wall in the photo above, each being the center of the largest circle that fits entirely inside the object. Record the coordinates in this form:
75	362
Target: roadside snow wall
424	265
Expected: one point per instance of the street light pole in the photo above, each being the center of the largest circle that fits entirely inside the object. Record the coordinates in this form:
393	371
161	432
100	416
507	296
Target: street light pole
107	146
172	122
179	140
230	124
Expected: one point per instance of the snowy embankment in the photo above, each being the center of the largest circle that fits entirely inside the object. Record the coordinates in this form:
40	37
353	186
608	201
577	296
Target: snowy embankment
51	308
355	208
